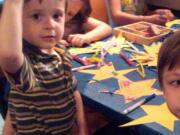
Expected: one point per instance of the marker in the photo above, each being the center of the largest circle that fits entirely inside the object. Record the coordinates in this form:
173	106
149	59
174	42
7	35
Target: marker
83	67
79	60
138	104
125	59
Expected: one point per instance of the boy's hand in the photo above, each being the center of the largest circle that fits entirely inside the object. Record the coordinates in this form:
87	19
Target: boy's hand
78	39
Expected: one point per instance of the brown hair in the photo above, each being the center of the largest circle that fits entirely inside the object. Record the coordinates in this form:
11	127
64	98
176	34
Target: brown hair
40	1
84	13
169	55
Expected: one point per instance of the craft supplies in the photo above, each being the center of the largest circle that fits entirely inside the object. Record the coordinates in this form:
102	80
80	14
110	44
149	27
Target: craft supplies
142	32
138	104
128	61
79	60
83	67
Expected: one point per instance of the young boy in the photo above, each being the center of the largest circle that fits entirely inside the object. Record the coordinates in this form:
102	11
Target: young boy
169	72
43	99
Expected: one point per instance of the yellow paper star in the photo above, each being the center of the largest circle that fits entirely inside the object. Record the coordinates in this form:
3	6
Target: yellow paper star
93	48
150	55
118	43
74	50
138	89
165	117
153	49
107	72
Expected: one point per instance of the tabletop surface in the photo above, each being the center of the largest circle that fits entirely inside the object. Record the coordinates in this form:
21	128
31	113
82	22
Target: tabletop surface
91	81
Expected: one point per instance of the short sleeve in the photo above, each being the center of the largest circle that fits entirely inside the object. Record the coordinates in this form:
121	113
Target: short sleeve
23	79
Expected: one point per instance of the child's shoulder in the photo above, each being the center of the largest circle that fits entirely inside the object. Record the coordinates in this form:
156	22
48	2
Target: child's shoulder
62	51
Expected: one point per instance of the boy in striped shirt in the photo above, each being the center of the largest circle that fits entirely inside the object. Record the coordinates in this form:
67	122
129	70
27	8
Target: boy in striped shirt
42	99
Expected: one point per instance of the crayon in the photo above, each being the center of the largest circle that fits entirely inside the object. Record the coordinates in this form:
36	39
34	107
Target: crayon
79	60
125	59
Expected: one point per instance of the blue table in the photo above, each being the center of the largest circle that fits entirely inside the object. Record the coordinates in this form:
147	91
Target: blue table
113	105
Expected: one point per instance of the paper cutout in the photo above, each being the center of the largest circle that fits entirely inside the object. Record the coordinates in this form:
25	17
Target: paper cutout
82	50
155	113
153	49
107	72
150	57
119	43
93	48
138	89
174	22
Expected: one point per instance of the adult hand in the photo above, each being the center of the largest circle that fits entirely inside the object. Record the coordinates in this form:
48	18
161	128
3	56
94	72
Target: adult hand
157	19
78	39
64	43
169	15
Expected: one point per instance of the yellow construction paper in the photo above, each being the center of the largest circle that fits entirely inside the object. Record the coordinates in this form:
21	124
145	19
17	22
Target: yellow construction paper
106	71
93	48
82	50
138	89
169	24
153	49
97	45
150	56
118	43
155	113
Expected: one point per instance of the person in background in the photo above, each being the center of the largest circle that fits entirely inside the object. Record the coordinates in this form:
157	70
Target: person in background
169	72
125	12
43	98
80	28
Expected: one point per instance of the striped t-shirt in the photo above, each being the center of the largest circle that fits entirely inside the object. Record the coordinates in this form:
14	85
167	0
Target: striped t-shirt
41	99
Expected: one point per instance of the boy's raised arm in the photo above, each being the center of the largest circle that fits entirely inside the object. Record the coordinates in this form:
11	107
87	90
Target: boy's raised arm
11	56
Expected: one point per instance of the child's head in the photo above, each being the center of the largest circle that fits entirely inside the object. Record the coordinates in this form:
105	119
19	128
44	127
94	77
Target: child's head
169	72
78	9
43	22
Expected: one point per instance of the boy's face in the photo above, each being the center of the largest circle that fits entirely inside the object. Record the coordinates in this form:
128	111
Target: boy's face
43	23
73	8
171	88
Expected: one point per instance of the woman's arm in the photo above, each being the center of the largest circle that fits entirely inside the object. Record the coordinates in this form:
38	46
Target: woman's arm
11	56
120	17
96	29
123	18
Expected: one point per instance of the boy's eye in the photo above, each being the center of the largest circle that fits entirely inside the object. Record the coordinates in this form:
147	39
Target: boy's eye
176	82
57	16
36	16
